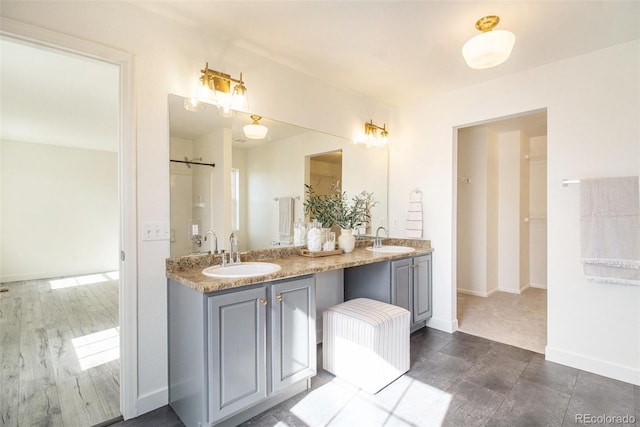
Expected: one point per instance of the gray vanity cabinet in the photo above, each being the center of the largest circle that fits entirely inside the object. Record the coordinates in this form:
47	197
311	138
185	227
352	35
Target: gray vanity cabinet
422	288
411	286
234	354
237	348
293	332
405	282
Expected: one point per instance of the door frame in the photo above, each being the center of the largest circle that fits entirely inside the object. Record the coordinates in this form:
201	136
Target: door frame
127	189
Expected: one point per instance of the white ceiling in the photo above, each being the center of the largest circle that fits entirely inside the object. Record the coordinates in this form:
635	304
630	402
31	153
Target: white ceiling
391	51
397	51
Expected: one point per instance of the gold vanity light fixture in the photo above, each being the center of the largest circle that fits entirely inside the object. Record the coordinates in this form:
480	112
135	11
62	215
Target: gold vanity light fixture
489	48
215	88
371	136
255	130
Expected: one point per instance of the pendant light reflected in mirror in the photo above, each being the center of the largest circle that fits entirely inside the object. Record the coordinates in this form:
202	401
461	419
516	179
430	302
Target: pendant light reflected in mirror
255	130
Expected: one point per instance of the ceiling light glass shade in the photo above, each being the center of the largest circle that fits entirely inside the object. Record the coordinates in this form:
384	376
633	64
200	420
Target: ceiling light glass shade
488	49
255	130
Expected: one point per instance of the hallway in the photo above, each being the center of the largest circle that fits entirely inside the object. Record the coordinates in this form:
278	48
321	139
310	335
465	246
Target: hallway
517	320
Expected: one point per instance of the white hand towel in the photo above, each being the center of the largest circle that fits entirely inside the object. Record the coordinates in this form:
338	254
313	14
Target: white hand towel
610	229
285	219
414	220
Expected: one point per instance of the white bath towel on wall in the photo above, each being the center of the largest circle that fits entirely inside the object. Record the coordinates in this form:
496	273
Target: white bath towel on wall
610	229
285	219
414	220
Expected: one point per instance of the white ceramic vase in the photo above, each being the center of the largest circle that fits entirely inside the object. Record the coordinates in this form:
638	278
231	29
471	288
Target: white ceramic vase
346	241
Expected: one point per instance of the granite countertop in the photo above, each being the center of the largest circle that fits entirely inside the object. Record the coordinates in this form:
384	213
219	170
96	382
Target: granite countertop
188	270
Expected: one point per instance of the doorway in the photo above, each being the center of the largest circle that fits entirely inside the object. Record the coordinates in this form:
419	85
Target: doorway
501	230
323	173
68	203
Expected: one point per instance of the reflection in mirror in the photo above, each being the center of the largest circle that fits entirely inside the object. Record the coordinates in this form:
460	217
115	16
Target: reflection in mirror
222	181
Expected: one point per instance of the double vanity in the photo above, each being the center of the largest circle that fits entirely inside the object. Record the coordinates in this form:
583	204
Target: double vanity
242	337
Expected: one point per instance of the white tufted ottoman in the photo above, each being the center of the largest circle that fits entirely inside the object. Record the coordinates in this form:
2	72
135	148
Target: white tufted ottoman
366	342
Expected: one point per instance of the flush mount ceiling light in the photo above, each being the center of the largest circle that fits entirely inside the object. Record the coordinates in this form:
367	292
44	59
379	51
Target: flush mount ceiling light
371	137
215	88
255	130
490	48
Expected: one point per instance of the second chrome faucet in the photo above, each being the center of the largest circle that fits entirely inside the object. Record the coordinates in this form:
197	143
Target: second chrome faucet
378	241
234	252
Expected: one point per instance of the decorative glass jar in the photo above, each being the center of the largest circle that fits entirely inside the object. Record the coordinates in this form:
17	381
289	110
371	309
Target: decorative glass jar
314	236
299	233
330	241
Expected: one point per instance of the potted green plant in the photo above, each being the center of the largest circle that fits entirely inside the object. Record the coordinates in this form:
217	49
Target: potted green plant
351	214
322	207
354	213
337	208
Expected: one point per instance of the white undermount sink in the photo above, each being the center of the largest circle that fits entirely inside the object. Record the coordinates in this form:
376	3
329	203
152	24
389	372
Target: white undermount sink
245	269
392	249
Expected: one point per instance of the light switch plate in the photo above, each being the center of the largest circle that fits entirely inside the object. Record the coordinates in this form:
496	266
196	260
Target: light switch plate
155	231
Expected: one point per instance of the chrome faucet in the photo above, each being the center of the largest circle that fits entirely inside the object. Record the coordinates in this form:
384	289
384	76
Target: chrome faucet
378	241
214	245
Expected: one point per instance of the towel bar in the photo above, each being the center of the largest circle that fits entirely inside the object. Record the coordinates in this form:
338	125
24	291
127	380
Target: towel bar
275	199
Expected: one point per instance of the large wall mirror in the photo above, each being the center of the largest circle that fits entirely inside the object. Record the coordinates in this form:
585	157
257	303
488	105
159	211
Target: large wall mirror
223	182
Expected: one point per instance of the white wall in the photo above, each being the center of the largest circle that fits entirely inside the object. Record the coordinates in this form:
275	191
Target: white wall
168	58
538	212
523	212
593	109
510	213
473	155
59	211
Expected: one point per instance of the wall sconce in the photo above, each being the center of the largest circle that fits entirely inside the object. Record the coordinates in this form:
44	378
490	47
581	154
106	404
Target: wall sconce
490	48
371	137
215	88
255	130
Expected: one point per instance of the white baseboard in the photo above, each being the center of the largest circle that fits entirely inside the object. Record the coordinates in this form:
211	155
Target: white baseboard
154	400
510	291
23	277
538	285
596	366
477	293
444	325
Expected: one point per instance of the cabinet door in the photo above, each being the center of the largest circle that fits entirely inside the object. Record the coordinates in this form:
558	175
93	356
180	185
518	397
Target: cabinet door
401	283
293	332
237	351
422	308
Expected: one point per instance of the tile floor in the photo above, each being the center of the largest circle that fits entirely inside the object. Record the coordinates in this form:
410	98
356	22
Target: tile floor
518	320
455	380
